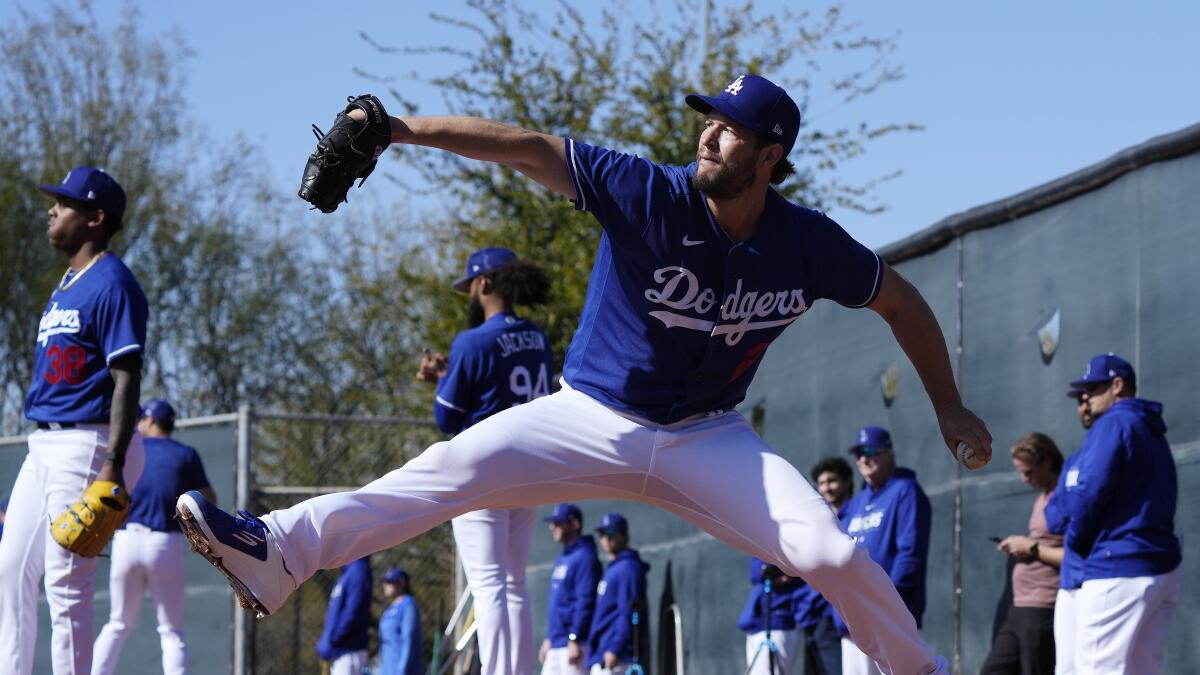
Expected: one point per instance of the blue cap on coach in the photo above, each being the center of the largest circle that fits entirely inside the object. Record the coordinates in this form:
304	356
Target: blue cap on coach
758	103
564	512
613	523
93	187
483	261
160	410
394	575
870	440
1104	367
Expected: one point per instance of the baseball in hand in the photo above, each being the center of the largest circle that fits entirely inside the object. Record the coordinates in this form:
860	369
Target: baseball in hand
968	457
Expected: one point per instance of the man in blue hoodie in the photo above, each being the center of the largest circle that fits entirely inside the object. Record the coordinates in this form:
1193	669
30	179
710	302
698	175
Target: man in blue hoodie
621	592
572	595
891	519
781	615
1121	507
344	640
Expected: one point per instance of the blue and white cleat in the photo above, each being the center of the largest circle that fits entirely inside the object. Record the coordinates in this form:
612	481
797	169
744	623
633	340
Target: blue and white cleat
241	548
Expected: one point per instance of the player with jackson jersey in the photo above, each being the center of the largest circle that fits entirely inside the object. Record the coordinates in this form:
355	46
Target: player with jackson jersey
699	268
84	401
501	361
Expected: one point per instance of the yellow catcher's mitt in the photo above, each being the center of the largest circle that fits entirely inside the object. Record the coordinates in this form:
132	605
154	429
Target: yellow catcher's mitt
87	525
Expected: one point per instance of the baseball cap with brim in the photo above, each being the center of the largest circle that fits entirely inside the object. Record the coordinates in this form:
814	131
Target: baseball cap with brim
612	523
1104	367
483	261
564	512
394	575
93	187
160	410
871	441
757	103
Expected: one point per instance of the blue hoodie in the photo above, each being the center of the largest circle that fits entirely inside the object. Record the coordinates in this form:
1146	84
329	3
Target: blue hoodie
1122	504
621	591
783	602
893	524
349	613
400	639
573	592
1071	570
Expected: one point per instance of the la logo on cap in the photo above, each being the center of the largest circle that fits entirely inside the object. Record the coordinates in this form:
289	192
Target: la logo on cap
735	86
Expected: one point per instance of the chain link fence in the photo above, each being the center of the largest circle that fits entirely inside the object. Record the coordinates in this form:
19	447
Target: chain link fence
292	457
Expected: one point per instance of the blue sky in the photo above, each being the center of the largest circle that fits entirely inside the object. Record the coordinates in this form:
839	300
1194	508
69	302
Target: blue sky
1011	94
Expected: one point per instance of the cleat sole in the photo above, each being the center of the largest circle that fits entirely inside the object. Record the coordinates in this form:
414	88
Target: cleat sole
199	543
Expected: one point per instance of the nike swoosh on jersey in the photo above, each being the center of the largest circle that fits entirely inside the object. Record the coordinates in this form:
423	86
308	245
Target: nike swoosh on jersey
690	242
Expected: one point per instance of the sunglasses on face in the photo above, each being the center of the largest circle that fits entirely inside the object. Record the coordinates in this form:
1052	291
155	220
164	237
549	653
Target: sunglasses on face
870	451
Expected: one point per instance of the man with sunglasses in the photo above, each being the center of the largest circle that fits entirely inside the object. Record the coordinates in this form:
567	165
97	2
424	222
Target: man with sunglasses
1122	492
891	519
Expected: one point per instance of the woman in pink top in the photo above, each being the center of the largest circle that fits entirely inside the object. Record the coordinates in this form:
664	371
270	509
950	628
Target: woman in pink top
1025	643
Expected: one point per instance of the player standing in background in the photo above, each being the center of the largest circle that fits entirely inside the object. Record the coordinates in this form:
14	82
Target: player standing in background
698	270
890	519
344	640
147	554
399	627
814	616
620	593
1123	491
1024	645
782	618
500	361
572	601
84	401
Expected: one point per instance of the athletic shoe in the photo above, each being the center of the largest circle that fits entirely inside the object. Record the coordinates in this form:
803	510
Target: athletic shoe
241	548
940	666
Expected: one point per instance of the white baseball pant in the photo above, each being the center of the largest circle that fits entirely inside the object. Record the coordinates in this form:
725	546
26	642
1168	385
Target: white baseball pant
855	662
757	660
144	559
1064	631
557	663
712	470
57	468
1121	624
493	545
349	664
619	669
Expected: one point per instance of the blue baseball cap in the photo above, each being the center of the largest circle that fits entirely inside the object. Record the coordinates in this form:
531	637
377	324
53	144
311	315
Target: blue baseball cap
564	512
871	441
483	261
394	575
160	410
613	523
1104	367
95	188
757	103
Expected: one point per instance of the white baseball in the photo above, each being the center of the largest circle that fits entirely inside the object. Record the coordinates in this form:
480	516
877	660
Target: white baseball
968	457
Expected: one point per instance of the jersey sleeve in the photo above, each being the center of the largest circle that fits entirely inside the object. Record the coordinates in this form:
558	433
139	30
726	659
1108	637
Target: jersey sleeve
617	188
197	478
121	316
845	271
454	393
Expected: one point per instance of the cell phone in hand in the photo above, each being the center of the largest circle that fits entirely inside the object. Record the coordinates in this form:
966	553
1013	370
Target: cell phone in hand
995	539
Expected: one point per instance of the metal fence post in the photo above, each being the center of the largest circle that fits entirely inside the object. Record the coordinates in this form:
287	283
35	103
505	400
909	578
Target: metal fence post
241	641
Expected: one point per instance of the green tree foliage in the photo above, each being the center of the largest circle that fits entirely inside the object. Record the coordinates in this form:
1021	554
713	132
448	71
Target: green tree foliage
619	81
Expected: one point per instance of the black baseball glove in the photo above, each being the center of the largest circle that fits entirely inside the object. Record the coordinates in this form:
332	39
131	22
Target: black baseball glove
345	154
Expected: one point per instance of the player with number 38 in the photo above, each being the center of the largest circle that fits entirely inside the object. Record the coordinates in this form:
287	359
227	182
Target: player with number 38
501	361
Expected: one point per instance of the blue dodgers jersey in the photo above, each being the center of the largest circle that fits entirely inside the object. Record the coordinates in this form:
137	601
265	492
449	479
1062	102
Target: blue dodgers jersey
504	361
172	469
678	316
99	317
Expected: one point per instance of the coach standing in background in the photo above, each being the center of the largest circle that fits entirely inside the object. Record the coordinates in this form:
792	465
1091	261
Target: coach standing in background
621	592
147	554
572	595
1122	524
1024	644
890	518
